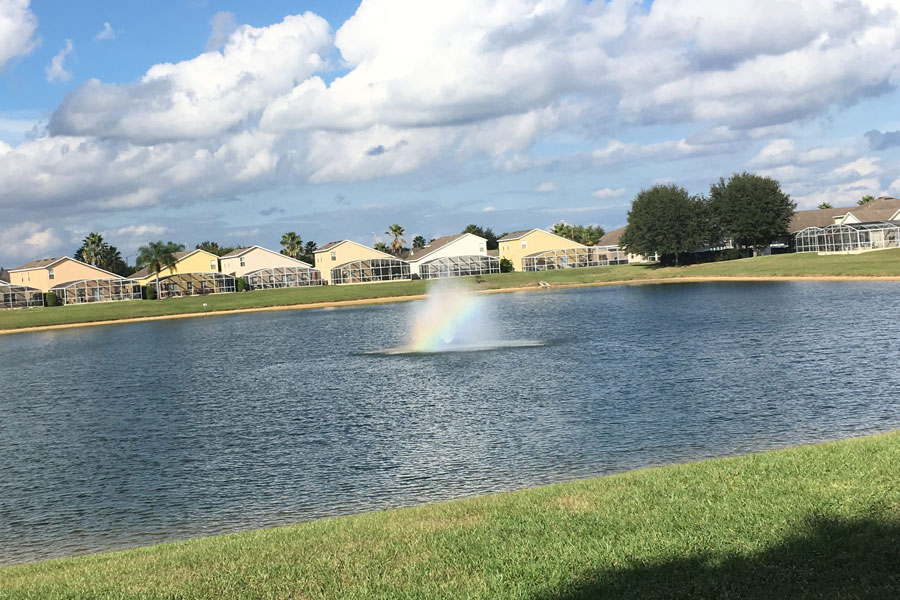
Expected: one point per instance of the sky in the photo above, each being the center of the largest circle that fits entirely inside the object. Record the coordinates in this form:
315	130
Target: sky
238	121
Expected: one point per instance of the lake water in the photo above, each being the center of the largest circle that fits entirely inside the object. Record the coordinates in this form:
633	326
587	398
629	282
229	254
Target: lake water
138	433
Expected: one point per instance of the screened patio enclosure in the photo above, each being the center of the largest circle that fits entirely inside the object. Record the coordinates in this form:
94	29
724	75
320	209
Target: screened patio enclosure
193	284
569	258
371	270
282	277
459	266
19	296
850	237
97	290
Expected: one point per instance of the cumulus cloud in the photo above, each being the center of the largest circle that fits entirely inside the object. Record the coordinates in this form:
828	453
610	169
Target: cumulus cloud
882	141
222	25
56	70
107	33
608	192
17	28
27	240
784	151
546	187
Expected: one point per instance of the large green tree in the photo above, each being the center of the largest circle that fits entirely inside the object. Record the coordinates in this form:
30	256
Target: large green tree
485	232
91	250
397	243
419	242
665	220
309	252
588	235
382	247
215	248
157	256
750	209
291	244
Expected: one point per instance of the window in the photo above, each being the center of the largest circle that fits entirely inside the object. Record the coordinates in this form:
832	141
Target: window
243	262
481	249
212	265
52	274
524	244
334	256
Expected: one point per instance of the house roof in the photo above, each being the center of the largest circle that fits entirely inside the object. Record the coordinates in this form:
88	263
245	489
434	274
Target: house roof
514	235
611	238
238	252
879	209
434	245
46	263
331	245
180	255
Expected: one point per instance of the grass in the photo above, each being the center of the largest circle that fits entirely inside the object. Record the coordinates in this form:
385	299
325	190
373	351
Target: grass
819	521
882	263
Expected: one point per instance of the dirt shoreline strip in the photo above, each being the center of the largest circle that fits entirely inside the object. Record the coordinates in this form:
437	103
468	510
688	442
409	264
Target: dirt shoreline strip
390	299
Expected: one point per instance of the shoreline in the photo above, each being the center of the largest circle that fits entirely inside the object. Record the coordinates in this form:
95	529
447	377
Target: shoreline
414	297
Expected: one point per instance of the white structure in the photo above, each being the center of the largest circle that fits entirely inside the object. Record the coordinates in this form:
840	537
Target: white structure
452	256
849	238
246	260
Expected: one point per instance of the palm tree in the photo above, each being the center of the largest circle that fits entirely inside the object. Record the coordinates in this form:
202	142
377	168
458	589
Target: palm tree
381	247
157	256
397	245
92	249
291	244
825	205
418	242
865	199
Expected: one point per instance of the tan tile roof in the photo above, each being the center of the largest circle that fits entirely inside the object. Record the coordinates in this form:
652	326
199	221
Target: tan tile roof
880	209
514	235
432	246
39	264
611	238
329	246
238	251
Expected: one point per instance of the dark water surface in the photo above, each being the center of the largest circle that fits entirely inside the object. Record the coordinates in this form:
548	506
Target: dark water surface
139	433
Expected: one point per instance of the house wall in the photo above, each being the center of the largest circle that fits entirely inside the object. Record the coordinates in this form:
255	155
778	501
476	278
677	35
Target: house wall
200	261
63	271
257	258
535	241
466	245
343	253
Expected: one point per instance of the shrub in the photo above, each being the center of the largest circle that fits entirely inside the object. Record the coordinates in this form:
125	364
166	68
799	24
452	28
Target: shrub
51	299
149	292
240	284
506	265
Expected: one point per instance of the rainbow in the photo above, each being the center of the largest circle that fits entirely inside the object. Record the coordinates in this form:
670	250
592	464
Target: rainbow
438	325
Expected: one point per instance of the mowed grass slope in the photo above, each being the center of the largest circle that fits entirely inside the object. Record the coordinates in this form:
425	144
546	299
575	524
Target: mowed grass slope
885	263
818	521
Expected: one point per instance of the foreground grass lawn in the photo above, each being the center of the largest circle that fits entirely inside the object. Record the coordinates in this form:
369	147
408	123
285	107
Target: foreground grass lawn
817	521
882	263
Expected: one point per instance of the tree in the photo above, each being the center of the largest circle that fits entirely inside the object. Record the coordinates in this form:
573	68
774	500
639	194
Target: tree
665	220
381	247
4	275
291	244
309	252
157	256
588	236
418	242
751	209
485	232
397	244
215	248
92	248
506	265
865	199
825	205
111	260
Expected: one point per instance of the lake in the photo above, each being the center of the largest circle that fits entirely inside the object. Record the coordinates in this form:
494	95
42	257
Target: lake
138	433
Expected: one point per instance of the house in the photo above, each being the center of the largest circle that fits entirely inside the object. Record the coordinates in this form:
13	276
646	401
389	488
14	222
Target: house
871	226
19	296
262	268
612	239
346	261
539	250
452	256
73	281
196	272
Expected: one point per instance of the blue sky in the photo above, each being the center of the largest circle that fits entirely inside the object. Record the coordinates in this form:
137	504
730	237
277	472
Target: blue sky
237	121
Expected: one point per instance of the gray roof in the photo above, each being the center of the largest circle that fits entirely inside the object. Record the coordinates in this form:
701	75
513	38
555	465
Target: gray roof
879	209
329	246
432	246
611	238
514	235
238	251
40	264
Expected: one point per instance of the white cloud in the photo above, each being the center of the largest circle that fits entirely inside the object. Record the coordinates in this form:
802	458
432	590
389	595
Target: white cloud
894	188
56	70
492	209
784	151
107	33
222	25
27	241
17	27
608	192
864	167
141	230
546	187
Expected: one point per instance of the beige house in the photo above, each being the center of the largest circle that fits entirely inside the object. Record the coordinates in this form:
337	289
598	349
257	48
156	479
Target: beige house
346	261
614	237
186	261
517	245
452	256
48	273
245	260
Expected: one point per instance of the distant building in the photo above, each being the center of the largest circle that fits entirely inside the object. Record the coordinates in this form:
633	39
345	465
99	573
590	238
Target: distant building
850	229
539	250
452	256
196	272
345	261
19	296
263	268
186	261
613	239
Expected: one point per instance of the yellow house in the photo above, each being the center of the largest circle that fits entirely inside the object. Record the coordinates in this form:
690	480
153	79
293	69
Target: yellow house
245	260
47	273
348	262
187	261
517	245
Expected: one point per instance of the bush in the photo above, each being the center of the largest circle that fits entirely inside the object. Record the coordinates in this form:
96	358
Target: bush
148	292
730	254
240	284
51	299
506	265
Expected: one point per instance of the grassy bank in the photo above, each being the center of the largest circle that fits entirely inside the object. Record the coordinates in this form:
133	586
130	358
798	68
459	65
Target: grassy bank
884	263
817	521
